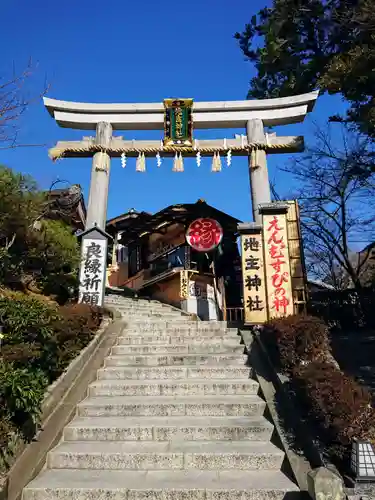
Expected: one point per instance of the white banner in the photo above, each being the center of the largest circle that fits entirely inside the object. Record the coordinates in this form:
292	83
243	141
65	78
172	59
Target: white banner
92	273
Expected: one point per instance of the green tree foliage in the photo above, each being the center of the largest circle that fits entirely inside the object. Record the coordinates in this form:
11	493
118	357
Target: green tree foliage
20	205
33	249
299	45
53	257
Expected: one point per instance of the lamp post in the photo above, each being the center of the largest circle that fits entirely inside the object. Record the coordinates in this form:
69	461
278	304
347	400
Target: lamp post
363	461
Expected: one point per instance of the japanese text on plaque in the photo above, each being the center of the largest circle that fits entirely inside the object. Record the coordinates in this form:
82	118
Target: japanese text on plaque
253	276
278	268
92	276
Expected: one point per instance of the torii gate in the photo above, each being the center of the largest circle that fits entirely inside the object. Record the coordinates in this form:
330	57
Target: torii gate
252	115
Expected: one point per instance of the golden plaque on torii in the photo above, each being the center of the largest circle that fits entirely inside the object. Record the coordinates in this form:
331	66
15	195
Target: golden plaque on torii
178	122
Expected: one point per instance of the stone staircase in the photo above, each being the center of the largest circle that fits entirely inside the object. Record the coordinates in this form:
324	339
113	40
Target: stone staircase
173	414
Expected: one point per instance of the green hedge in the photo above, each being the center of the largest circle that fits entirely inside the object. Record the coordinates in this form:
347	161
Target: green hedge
39	341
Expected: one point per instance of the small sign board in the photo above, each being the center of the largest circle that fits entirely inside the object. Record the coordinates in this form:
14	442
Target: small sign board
178	122
254	286
92	276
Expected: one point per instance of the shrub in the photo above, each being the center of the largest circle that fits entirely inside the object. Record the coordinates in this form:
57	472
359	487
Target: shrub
6	431
21	396
73	330
40	340
25	319
46	338
20	354
340	405
296	339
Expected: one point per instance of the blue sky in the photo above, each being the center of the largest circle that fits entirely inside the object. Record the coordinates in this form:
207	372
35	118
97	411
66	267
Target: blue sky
140	51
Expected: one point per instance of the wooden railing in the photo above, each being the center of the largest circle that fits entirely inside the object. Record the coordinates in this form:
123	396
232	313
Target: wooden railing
235	315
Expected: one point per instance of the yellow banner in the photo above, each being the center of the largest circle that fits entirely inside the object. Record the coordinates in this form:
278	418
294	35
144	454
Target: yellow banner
254	292
277	265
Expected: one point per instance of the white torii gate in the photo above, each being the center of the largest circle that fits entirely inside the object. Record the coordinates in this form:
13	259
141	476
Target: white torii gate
252	115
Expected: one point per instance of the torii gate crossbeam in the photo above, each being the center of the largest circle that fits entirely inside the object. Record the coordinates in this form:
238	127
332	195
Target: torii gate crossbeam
250	114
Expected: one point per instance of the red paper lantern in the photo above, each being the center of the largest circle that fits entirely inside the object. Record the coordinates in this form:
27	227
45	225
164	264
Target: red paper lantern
204	235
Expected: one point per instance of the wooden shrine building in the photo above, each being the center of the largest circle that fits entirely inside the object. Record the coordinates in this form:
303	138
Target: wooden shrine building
150	255
68	206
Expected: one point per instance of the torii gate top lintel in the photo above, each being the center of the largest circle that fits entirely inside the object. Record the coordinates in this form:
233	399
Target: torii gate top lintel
206	115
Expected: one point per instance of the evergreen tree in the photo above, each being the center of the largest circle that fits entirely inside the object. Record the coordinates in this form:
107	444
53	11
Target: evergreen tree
300	45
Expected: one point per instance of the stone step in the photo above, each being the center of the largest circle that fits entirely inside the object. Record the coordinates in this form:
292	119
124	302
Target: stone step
131	300
175	328
174	373
146	310
179	329
60	484
138	323
164	455
193	340
248	405
148	314
140	339
149	309
155	388
153	313
154	317
190	326
182	330
140	305
147	306
186	320
176	360
196	348
168	428
134	303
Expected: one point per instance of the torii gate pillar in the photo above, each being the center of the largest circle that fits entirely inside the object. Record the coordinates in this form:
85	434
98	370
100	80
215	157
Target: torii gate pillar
258	171
101	163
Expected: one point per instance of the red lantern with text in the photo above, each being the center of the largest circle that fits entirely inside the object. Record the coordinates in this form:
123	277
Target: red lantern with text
204	235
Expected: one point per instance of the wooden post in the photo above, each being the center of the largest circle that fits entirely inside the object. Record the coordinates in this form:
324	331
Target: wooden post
98	196
259	182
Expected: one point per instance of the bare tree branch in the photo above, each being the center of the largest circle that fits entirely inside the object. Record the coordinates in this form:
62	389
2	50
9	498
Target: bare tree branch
336	192
14	102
